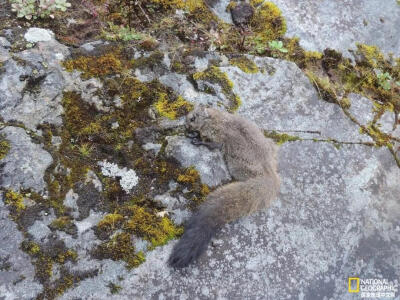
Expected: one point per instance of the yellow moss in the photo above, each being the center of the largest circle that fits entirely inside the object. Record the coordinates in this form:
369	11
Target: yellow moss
67	255
236	103
190	176
172	109
345	102
205	190
44	268
380	138
15	200
93	66
313	55
4	148
154	229
245	64
268	23
120	248
256	3
31	248
231	5
170	3
110	222
200	12
372	54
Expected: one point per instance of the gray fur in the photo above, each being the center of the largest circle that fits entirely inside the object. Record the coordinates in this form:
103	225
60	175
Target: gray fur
251	160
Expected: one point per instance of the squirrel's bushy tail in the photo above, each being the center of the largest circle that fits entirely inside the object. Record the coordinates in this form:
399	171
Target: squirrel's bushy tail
225	204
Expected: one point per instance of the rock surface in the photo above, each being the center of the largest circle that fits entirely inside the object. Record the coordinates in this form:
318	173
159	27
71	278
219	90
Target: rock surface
338	24
210	164
337	215
25	164
16	270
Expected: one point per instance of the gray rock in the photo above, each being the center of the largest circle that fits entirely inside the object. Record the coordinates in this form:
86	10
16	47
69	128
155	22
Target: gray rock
285	100
25	163
4	42
153	147
176	207
4	54
183	87
325	226
364	111
338	24
209	164
40	230
31	93
89	47
341	24
219	8
86	88
34	35
16	270
336	216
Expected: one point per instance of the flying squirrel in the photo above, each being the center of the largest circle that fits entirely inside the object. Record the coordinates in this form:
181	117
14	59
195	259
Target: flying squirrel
251	159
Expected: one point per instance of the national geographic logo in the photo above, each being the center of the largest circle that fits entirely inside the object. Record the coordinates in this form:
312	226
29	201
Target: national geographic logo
373	287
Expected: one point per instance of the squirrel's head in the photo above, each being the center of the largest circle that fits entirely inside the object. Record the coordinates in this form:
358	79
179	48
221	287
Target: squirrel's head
196	118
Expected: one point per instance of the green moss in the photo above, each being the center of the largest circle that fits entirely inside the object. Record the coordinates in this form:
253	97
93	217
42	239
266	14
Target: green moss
245	64
93	66
281	138
156	230
172	109
4	148
15	200
214	75
119	248
267	22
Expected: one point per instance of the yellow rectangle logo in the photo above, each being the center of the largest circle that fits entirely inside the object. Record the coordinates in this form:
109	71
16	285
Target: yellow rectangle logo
358	285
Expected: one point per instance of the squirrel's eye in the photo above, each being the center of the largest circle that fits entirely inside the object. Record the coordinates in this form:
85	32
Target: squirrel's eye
192	119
